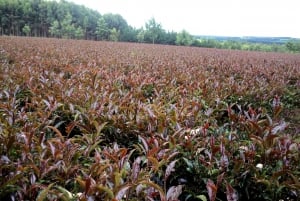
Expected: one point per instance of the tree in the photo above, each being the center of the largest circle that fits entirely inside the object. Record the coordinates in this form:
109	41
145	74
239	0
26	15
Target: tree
102	30
114	35
169	38
4	17
26	29
55	29
129	34
79	33
85	25
153	29
35	18
67	28
50	16
184	38
116	21
141	35
11	13
209	43
44	17
293	46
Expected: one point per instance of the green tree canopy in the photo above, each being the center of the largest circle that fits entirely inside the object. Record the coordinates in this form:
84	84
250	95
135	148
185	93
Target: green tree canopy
184	38
141	35
46	18
67	27
102	29
26	29
115	21
55	29
114	35
153	29
293	46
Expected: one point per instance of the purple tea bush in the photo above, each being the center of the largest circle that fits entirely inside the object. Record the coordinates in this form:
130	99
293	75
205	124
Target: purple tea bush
83	120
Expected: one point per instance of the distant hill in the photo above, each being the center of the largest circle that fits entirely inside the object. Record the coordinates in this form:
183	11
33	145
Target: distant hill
250	39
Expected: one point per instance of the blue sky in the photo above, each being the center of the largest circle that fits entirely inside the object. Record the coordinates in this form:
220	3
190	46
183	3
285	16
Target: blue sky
209	17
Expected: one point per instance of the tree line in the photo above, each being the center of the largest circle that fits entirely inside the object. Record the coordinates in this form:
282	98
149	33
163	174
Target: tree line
41	18
63	19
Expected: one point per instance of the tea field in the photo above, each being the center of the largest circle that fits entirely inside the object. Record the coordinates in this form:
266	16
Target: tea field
85	120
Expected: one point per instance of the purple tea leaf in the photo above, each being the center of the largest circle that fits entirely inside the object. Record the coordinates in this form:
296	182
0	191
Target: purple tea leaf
174	192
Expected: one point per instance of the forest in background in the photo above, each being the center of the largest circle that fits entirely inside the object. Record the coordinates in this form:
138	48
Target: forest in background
63	19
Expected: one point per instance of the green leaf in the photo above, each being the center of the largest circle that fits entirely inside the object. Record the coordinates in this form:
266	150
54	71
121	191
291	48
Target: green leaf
98	127
202	197
43	194
188	163
107	190
265	182
67	194
11	181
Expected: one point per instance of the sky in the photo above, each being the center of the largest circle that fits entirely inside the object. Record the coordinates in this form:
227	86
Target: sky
273	18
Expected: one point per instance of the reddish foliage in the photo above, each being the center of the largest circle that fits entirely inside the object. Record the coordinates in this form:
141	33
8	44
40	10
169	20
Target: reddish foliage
108	121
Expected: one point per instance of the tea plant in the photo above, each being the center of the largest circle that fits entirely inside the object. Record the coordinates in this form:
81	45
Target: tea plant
83	120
